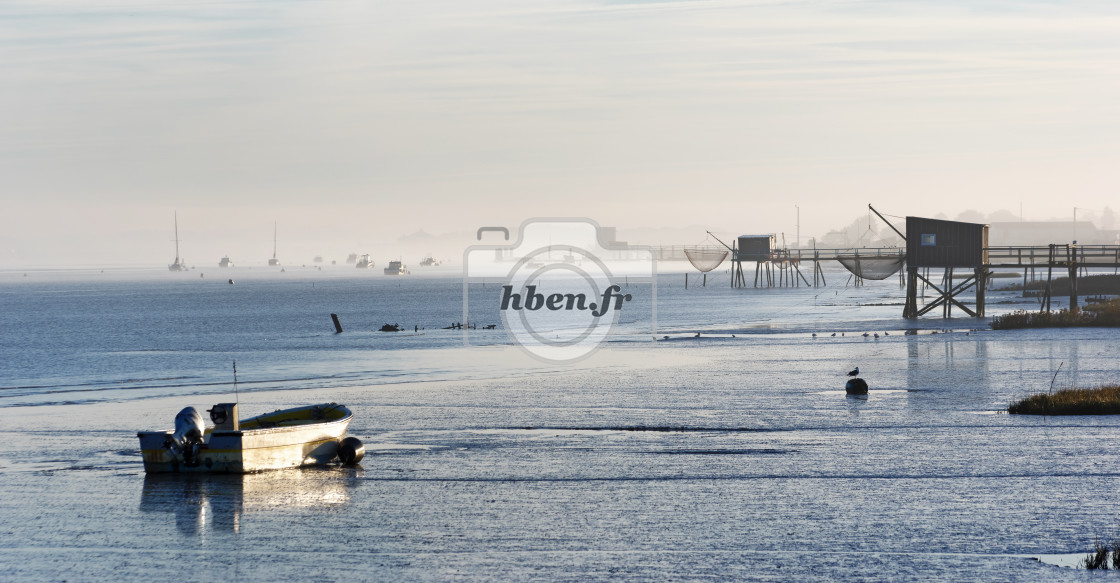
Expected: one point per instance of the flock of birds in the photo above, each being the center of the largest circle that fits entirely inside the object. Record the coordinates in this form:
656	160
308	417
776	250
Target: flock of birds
865	334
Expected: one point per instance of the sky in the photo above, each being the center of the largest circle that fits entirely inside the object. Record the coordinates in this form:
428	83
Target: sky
354	124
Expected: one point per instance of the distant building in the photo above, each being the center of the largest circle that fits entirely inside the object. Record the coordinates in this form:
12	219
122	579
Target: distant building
1046	232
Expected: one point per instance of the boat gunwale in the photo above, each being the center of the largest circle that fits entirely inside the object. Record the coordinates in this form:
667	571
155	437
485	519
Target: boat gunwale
346	418
311	423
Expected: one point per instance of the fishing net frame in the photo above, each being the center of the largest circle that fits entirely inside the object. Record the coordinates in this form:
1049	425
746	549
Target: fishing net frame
874	267
706	259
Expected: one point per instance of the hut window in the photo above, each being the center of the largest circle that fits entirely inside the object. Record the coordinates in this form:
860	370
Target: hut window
929	239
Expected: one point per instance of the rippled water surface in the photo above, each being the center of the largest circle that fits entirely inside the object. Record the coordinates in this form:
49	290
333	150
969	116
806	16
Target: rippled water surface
734	455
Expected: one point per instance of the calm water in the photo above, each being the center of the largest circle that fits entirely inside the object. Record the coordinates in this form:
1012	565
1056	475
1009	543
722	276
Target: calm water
734	455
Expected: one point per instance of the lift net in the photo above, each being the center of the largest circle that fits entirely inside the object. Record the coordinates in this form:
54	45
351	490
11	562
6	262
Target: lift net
872	267
706	259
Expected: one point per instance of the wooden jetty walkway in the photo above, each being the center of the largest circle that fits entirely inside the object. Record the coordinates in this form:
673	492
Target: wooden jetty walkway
783	267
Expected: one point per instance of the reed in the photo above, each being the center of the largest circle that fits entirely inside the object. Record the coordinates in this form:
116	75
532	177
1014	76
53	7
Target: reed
1103	556
1102	314
1103	400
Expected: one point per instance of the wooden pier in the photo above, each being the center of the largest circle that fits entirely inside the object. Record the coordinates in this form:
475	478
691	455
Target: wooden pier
784	267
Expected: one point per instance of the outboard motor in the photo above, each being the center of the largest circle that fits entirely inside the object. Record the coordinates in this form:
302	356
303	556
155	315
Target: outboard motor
351	451
187	439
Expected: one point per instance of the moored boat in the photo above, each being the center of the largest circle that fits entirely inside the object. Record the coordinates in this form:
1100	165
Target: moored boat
179	265
289	438
396	268
274	262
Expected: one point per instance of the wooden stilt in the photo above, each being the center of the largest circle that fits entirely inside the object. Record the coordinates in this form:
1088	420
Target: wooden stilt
1071	253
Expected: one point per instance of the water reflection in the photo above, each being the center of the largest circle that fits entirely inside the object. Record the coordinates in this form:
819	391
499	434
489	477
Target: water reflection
855	403
951	360
202	502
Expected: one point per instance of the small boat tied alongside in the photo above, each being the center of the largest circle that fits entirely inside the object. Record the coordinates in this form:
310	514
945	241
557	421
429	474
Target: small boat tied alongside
288	438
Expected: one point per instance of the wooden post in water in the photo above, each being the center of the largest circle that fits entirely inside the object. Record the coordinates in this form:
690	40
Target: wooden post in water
981	283
337	325
1071	254
1049	276
910	311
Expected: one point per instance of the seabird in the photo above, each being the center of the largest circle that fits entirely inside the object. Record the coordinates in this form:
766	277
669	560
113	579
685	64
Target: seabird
876	335
814	334
834	334
854	372
865	335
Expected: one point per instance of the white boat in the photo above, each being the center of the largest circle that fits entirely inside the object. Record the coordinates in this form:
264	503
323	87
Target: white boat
289	438
395	268
179	264
364	262
225	262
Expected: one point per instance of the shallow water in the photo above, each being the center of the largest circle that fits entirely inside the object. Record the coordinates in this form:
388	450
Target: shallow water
715	457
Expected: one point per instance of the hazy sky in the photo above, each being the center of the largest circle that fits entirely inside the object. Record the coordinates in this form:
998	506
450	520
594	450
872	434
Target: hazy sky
354	123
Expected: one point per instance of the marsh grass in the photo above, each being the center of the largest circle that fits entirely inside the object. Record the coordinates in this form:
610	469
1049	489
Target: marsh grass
1104	555
1104	400
1102	314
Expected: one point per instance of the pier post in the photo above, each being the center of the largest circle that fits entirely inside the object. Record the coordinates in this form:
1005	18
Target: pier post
1071	254
981	284
1049	275
337	325
910	311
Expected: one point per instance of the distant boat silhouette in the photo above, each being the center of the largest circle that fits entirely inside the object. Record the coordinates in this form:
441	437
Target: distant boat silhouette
179	264
396	268
274	261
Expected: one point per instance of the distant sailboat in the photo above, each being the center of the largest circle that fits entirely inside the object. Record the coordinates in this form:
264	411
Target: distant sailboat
179	264
274	261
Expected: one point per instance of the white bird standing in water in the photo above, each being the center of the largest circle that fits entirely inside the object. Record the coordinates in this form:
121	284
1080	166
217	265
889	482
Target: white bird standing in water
853	373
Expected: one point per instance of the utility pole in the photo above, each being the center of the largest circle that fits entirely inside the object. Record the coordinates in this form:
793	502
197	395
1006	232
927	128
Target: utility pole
798	225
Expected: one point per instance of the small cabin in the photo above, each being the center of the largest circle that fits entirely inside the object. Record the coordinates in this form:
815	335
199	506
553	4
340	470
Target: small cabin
756	247
940	243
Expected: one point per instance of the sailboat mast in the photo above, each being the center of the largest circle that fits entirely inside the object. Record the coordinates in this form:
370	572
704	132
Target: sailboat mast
176	236
274	239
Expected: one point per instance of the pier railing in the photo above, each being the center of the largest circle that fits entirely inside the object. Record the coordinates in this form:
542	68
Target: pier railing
1054	256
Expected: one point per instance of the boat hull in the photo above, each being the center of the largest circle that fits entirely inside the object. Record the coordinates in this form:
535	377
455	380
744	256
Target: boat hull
262	448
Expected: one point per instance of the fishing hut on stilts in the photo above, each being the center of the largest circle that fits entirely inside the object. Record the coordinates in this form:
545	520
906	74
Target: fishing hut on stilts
773	267
956	247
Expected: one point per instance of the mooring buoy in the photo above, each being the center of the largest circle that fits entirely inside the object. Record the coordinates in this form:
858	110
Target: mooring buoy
856	386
